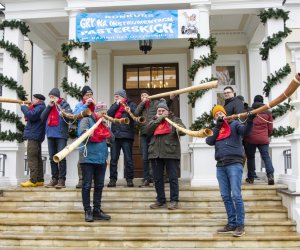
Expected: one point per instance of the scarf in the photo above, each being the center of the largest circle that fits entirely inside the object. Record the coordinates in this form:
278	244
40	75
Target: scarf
31	107
91	106
163	128
100	133
53	119
225	131
147	104
120	110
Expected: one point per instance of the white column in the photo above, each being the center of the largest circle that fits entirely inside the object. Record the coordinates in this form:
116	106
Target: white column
203	172
14	164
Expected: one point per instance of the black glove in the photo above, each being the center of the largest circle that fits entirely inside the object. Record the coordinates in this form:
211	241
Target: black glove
220	121
251	116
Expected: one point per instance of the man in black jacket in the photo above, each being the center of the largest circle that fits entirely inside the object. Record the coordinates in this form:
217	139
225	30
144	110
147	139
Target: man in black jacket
233	105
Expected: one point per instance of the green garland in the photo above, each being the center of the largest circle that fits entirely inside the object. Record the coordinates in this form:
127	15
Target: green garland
16	53
281	109
10	136
204	121
15	24
273	13
7	115
67	47
281	131
12	84
193	96
274	79
71	89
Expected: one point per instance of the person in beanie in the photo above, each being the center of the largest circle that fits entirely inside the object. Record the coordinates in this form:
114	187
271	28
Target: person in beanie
57	135
233	104
34	133
86	102
124	137
147	108
164	150
229	153
259	138
93	154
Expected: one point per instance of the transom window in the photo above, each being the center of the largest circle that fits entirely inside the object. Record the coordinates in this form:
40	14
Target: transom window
151	76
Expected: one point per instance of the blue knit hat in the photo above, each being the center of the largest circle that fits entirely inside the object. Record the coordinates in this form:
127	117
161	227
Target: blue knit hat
163	104
121	92
55	92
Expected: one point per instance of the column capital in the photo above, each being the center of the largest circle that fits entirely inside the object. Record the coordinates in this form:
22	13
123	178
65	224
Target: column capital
203	6
103	51
48	53
74	11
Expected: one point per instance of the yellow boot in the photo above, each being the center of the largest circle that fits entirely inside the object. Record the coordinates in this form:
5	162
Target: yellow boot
28	184
40	183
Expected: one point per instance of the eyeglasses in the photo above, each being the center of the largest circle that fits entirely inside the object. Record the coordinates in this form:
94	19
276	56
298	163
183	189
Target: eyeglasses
226	93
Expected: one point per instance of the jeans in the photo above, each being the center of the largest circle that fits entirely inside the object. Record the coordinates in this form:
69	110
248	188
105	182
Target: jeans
230	182
90	172
146	166
158	176
126	145
58	170
34	159
250	150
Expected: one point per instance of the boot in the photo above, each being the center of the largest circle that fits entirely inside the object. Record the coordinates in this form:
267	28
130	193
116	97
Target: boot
112	183
270	179
52	184
60	184
130	183
98	214
28	184
88	216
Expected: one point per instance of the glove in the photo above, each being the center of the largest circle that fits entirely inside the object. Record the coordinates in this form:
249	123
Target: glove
251	116
220	121
160	118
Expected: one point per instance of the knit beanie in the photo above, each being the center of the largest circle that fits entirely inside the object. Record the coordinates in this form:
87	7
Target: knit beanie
145	91
218	108
121	92
39	96
259	98
85	90
55	92
163	104
100	106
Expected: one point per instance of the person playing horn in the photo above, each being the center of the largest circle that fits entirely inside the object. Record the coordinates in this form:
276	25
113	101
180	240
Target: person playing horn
34	133
147	108
229	152
124	136
57	135
164	150
87	102
92	157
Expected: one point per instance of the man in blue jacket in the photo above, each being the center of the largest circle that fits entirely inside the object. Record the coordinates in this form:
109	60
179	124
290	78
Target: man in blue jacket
229	153
57	135
35	134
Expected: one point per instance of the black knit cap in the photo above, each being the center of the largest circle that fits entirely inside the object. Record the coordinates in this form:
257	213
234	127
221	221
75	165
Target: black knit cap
85	90
55	92
145	91
259	98
40	97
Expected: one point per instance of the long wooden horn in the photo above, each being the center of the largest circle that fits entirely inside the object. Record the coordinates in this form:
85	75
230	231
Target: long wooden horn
13	101
207	85
200	133
286	94
68	149
85	113
117	121
139	119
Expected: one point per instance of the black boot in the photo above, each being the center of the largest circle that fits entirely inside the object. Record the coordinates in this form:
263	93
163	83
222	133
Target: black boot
88	216
270	179
98	214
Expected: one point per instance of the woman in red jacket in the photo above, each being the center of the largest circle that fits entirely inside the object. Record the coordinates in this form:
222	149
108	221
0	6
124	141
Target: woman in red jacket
259	138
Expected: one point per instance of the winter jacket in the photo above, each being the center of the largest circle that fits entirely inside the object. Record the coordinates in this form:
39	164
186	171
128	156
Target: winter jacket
234	106
61	130
262	127
230	147
148	113
166	145
122	131
35	127
96	152
79	108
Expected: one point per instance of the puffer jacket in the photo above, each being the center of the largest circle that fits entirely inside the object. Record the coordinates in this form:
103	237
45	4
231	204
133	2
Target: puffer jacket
122	131
79	108
166	145
233	106
61	130
35	127
262	127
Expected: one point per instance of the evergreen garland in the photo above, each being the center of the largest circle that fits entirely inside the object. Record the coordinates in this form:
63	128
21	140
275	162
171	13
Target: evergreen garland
273	13
67	47
193	96
71	89
281	131
10	136
16	53
15	24
7	115
204	121
12	84
281	109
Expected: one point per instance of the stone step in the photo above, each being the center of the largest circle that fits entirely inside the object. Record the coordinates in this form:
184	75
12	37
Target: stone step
138	202
155	240
142	226
73	213
144	248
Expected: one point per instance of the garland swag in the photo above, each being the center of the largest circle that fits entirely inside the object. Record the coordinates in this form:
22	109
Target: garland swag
281	109
71	89
204	121
15	24
6	115
12	84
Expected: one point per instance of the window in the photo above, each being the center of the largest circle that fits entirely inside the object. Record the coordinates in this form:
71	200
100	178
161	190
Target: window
151	76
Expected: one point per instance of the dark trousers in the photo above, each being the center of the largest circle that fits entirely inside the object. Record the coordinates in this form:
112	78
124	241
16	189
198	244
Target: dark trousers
34	160
250	150
91	172
126	146
58	170
158	176
146	166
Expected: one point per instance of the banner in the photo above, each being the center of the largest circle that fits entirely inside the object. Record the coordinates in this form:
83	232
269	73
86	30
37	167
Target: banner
137	25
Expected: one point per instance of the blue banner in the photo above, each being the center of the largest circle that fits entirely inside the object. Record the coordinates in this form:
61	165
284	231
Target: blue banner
137	25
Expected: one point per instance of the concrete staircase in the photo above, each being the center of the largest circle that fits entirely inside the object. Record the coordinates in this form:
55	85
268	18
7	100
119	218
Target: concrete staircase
40	218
